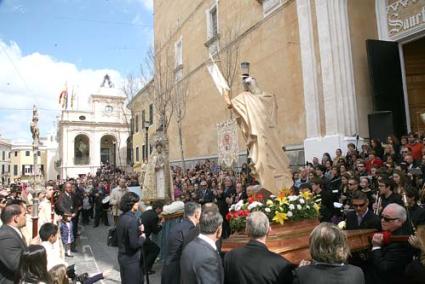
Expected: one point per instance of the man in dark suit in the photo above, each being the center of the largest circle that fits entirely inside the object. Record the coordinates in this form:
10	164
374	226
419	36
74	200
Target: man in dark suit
200	261
153	225
204	193
362	217
390	260
65	202
12	243
180	235
130	237
254	263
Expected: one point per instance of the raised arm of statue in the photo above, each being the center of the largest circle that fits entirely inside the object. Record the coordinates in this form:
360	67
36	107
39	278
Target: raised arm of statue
227	99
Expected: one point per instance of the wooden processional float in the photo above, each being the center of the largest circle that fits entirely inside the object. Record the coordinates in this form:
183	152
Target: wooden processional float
291	240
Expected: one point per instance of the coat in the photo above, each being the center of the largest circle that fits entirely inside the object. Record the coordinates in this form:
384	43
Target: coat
325	273
11	247
389	262
254	263
200	264
369	221
66	232
129	248
180	235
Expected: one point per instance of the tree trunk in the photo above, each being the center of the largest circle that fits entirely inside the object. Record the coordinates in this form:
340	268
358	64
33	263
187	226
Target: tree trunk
181	146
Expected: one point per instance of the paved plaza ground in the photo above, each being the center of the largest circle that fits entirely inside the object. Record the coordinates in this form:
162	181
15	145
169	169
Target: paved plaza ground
95	256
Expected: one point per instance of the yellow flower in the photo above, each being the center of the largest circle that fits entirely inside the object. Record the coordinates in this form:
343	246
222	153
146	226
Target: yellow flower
282	199
306	195
317	207
269	202
280	217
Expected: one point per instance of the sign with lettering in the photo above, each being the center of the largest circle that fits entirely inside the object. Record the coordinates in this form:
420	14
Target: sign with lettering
405	17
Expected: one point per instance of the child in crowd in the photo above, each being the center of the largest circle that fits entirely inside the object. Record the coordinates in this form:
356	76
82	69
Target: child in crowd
86	208
49	235
66	233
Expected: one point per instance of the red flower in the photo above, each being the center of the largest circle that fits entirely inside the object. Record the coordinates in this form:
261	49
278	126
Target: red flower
259	196
250	199
229	216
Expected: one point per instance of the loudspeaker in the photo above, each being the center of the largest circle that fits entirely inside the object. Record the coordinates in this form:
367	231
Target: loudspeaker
381	125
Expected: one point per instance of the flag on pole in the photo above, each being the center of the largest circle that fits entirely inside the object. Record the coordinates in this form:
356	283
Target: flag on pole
217	77
72	98
63	97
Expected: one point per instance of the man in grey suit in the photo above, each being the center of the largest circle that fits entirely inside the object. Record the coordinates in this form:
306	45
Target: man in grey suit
12	243
200	262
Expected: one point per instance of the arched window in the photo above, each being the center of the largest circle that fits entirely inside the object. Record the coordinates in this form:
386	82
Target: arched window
81	150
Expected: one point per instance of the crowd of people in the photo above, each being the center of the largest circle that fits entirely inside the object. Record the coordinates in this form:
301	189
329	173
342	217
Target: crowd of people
378	186
44	259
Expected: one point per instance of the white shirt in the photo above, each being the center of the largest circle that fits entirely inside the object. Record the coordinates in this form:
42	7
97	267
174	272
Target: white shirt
208	240
53	255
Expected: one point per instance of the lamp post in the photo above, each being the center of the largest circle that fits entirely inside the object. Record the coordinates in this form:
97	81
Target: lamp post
34	216
146	126
245	70
114	153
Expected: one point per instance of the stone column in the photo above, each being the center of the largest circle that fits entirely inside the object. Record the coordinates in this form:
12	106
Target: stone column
309	68
336	66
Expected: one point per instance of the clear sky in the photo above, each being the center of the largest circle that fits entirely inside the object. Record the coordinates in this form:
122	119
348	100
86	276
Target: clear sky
45	43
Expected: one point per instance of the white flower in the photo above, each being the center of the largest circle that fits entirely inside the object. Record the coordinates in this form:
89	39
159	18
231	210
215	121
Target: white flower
291	206
238	206
308	207
289	214
254	205
267	210
272	196
232	208
299	207
292	197
302	201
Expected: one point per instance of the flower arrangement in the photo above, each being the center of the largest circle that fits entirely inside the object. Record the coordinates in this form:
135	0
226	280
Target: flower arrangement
284	207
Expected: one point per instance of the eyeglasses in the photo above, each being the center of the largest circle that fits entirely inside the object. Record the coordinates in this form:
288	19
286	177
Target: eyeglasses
388	219
359	205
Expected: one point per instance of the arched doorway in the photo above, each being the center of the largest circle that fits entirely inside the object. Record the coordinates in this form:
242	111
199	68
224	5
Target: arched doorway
108	149
81	150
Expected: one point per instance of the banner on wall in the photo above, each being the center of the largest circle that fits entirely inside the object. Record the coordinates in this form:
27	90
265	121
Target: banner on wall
228	145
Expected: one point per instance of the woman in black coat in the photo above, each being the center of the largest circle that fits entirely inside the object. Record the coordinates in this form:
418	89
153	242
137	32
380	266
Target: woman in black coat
130	235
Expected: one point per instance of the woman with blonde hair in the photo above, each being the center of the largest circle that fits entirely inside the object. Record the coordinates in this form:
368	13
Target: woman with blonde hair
58	274
329	251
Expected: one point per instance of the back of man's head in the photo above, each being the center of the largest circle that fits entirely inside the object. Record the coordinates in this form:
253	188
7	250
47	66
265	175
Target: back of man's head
190	208
9	212
47	230
257	225
210	221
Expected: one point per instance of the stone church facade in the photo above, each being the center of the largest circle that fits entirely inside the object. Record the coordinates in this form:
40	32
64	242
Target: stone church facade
89	138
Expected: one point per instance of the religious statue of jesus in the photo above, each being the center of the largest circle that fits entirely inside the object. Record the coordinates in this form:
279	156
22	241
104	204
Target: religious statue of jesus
256	114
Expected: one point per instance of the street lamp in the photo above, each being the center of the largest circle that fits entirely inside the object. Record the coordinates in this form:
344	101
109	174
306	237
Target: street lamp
245	70
114	153
146	126
34	216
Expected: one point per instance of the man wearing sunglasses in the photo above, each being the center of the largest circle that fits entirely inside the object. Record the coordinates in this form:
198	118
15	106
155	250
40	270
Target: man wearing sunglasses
389	260
362	217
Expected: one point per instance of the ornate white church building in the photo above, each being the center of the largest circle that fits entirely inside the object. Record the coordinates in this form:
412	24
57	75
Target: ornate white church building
89	138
